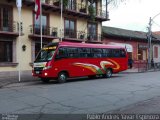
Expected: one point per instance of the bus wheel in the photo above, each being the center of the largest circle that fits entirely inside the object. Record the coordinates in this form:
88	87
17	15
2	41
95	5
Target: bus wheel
45	80
108	73
62	77
91	76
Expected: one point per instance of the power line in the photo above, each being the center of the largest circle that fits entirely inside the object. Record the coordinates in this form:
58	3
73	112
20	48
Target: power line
156	23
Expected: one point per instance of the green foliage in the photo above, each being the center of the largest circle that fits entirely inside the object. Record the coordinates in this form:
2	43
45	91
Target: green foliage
92	12
65	3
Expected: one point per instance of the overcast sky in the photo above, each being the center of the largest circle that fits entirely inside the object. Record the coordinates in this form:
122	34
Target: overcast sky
134	15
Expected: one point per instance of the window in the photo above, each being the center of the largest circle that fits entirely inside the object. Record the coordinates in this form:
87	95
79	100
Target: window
94	4
114	53
44	25
72	52
104	9
38	47
140	54
155	52
107	53
97	53
43	1
5	18
6	51
62	53
72	4
92	31
67	52
84	52
69	29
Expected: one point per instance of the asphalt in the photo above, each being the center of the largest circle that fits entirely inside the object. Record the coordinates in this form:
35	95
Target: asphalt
147	107
6	80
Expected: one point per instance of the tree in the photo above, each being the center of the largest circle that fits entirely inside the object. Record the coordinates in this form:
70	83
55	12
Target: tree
105	4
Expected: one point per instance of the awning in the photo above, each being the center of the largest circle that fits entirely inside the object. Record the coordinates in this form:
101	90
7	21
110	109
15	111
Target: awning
127	46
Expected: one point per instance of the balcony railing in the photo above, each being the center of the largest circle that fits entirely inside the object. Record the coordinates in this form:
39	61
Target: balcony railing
81	35
81	8
46	30
102	13
8	26
78	8
54	32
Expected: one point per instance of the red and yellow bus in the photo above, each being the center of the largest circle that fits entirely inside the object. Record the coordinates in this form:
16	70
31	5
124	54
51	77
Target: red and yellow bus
64	60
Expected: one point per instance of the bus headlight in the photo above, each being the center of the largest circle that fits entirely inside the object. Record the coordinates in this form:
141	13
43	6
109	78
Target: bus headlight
45	74
47	67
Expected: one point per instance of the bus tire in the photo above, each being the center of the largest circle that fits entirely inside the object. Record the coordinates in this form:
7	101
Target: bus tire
92	76
45	80
108	73
62	77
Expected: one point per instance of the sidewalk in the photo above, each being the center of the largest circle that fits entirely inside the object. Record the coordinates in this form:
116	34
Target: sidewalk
133	70
9	79
139	70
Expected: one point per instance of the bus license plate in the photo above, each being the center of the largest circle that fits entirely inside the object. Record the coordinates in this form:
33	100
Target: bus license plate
37	72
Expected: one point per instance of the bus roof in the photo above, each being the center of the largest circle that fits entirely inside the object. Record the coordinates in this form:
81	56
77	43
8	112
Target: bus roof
73	44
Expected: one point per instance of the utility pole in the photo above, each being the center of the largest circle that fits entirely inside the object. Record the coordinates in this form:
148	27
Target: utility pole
149	40
150	50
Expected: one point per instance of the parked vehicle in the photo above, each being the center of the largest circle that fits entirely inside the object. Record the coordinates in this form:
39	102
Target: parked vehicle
64	60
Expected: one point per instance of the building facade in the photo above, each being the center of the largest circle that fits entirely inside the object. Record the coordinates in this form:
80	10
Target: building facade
136	43
81	22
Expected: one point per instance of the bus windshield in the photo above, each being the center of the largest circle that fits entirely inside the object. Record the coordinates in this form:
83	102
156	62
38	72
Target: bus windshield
46	54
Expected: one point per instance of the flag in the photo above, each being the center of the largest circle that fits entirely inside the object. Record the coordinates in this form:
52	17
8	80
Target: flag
37	8
19	3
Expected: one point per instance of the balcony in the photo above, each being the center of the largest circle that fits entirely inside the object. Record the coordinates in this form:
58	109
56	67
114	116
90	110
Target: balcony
48	33
9	29
102	15
81	36
74	9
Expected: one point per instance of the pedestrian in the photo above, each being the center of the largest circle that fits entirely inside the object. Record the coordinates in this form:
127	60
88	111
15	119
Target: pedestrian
130	62
152	63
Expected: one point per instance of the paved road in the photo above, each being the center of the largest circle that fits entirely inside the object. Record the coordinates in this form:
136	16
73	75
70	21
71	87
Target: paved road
80	96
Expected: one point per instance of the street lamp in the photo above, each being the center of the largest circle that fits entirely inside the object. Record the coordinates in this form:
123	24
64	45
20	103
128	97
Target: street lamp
150	37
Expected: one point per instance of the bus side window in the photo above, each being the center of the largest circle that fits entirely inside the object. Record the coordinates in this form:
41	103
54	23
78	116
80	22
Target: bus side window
97	52
72	52
84	52
116	53
61	53
109	53
122	53
104	52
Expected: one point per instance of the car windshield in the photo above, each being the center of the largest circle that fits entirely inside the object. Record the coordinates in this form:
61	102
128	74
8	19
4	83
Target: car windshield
46	54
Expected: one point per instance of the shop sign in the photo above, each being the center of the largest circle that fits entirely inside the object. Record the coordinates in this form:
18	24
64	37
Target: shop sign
142	46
